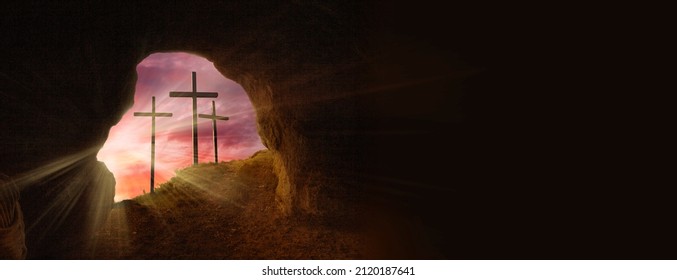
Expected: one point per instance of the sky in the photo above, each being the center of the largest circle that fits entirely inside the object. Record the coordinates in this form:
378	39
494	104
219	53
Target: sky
127	150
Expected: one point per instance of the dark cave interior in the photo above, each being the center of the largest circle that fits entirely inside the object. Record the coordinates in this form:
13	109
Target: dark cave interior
434	125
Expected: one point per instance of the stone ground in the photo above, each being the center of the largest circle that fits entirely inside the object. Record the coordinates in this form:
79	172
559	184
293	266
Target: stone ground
224	211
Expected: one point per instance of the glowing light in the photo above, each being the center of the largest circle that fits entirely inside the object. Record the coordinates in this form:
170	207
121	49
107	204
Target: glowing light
127	150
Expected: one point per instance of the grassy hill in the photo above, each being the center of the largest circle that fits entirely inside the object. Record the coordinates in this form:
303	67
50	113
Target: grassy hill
218	211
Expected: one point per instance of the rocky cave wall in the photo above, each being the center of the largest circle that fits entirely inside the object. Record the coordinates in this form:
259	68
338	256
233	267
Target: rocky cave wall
68	74
357	101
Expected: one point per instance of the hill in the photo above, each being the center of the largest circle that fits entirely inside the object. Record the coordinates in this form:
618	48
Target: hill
219	211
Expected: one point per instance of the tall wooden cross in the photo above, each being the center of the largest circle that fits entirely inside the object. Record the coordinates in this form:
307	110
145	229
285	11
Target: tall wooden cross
195	95
214	117
152	114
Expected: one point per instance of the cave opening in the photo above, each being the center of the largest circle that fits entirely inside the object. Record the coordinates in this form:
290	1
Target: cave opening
127	151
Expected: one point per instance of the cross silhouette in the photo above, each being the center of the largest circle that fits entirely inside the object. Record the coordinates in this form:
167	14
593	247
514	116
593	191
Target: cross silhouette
152	114
214	117
195	95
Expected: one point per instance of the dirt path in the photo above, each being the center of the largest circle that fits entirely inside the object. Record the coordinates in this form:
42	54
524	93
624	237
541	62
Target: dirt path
223	211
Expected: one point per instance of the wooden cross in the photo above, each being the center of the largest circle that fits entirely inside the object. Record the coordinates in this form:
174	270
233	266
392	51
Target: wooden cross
152	114
214	117
195	95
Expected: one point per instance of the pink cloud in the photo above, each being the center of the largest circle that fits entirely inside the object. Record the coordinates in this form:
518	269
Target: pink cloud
127	151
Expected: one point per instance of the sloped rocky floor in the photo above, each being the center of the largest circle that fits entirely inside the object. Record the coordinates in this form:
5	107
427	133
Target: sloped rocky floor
220	211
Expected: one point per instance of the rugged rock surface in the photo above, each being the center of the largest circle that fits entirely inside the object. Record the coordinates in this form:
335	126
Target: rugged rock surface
68	74
219	211
355	100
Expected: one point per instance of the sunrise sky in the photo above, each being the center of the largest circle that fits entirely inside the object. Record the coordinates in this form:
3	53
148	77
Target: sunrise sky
127	150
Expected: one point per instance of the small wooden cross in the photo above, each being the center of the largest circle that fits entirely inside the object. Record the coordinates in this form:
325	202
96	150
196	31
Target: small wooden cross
152	114
214	117
195	95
